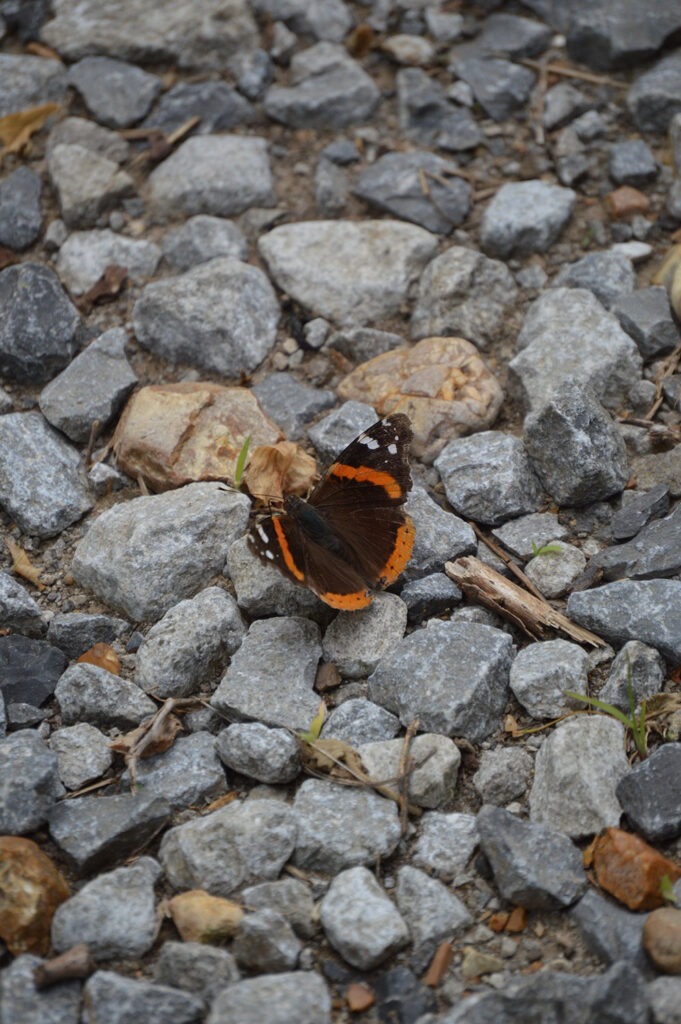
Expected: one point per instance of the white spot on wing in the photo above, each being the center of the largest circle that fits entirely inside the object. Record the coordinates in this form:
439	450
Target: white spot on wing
263	535
269	554
392	448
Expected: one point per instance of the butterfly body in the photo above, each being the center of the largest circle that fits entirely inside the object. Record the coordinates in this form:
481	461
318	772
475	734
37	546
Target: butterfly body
352	534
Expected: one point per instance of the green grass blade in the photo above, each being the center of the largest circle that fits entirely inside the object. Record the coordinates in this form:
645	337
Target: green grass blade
241	462
609	709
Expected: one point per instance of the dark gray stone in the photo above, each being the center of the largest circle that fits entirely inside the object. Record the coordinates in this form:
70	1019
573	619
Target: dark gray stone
395	184
563	103
609	275
341	151
439	535
74	633
300	996
291	404
654	552
359	344
427	117
639	664
18	611
488	477
499	86
21	1001
200	969
42	478
632	162
609	931
632	610
321	19
265	941
88	693
433	914
39	323
115	93
533	866
117	999
96	831
650	796
29	669
610	33
219	106
655	96
430	596
525	217
331	188
334	432
647	317
452	676
29	782
515	36
639	511
20	216
254	71
575	447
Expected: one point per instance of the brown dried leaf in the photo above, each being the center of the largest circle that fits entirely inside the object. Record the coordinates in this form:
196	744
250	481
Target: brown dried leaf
16	129
323	755
278	469
41	50
168	730
102	656
22	566
107	288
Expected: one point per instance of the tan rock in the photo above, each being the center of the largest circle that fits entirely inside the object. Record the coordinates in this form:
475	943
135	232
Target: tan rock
31	889
626	201
173	434
200	917
442	384
475	963
662	939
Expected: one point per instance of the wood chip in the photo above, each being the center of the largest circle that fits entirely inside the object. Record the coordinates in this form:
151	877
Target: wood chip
439	964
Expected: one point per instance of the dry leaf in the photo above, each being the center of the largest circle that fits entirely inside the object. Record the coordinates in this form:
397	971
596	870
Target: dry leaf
278	469
22	566
165	737
41	50
102	656
323	755
16	129
107	288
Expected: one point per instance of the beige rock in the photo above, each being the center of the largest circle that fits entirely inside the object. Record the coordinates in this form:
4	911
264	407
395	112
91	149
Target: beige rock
442	384
200	917
662	939
31	889
173	434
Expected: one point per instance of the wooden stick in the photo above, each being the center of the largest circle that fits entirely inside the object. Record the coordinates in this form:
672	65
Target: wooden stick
94	431
535	617
585	76
403	772
507	560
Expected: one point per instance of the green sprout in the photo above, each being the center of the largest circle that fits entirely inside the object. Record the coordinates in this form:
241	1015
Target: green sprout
667	890
636	723
546	549
241	462
316	726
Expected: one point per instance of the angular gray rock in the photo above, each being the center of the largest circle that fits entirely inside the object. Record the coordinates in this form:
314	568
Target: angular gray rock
115	913
452	676
290	897
499	85
542	672
221	316
83	754
488	477
221	175
188	774
92	387
650	797
348	272
553	572
340	827
503	775
85	255
261	590
610	932
20	215
271	676
197	968
87	184
609	275
244	842
583	759
639	664
21	1000
42	478
144	556
74	633
647	317
220	107
291	404
39	324
29	782
525	217
446	843
524	535
332	433
30	82
328	90
116	94
426	116
632	610
436	765
608	35
429	596
88	693
18	611
567	333
462	292
358	721
533	866
300	996
265	941
654	97
654	552
202	238
356	641
268	755
118	999
575	447
360	920
79	131
322	19
632	163
190	644
433	914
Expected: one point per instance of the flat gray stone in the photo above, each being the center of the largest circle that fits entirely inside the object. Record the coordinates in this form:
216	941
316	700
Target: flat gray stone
92	388
647	317
202	238
300	996
500	86
360	344
191	644
74	633
188	774
563	103
340	826
92	694
356	641
654	552
649	795
42	478
583	757
610	932
632	610
116	94
144	556
639	664
522	536
358	721
220	316
220	107
149	34
20	215
117	999
654	97
267	755
452	676
632	163
291	404
20	1000
115	913
29	782
332	433
568	333
221	175
542	672
321	19
39	324
488	477
83	754
30	82
244	842
609	275
18	611
87	184
433	914
427	117
348	272
610	34
446	843
360	920
518	37
290	897
85	255
436	766
525	217
463	293
197	968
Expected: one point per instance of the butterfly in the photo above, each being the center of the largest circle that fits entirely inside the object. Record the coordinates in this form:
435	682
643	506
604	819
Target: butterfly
351	536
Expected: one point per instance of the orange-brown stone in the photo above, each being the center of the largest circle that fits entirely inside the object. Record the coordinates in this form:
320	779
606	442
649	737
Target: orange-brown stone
31	889
359	997
442	384
200	917
173	434
662	939
631	870
625	201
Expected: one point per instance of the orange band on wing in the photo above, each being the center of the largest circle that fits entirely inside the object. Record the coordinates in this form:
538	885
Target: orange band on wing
348	602
404	544
372	476
285	549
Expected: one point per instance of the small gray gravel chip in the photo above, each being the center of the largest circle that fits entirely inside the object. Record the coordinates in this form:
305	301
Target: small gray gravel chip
90	693
290	897
83	754
18	610
358	720
360	920
610	932
542	672
117	999
300	996
268	755
29	782
433	913
525	217
116	94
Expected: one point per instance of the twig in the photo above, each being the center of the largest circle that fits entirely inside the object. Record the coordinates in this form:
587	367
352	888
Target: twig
94	430
403	772
152	733
507	560
142	485
76	962
89	789
585	76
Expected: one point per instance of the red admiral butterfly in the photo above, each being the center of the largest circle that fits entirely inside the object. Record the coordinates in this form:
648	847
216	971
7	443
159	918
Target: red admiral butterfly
352	534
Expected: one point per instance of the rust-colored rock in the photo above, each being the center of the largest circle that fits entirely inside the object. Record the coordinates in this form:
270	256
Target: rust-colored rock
662	939
517	920
442	384
31	889
359	997
103	656
631	870
439	965
173	434
200	917
626	201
